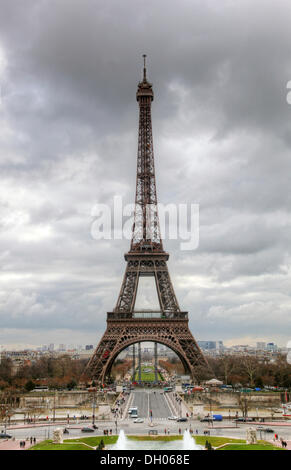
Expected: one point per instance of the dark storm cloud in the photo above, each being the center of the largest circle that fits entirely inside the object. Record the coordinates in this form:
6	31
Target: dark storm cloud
68	72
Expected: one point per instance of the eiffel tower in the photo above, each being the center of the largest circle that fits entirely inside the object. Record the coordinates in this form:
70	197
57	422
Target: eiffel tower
146	257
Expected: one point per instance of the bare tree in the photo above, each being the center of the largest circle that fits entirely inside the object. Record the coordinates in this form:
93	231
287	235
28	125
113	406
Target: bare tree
250	367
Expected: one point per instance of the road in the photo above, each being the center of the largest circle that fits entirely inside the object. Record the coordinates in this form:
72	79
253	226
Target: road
145	400
151	400
46	432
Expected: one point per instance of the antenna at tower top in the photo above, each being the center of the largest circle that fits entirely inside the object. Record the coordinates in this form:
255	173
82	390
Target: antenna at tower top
144	67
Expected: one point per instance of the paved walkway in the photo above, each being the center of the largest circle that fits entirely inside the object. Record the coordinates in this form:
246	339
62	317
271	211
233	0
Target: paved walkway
266	423
278	444
12	444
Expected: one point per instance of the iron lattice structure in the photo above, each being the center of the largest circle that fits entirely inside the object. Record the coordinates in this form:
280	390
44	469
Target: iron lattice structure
168	325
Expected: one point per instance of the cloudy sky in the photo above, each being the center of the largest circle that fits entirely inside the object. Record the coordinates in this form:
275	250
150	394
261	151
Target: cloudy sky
68	140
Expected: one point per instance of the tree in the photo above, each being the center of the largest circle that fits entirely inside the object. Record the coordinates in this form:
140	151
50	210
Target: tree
8	402
29	385
101	445
208	445
72	384
6	367
250	367
259	382
244	405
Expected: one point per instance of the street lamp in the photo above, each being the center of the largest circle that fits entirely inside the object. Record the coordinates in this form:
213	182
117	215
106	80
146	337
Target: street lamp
54	410
211	416
93	406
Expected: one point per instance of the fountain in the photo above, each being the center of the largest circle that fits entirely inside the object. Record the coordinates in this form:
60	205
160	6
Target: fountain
188	442
123	443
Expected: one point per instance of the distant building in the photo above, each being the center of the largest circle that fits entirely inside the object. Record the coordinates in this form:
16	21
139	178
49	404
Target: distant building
211	345
261	346
88	347
19	358
272	347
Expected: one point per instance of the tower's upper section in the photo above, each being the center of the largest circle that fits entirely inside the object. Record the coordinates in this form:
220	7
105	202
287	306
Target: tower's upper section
146	237
144	89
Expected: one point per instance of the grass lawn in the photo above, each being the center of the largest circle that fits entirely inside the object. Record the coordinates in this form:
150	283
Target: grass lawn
266	446
235	444
147	376
85	443
48	445
155	438
94	441
216	441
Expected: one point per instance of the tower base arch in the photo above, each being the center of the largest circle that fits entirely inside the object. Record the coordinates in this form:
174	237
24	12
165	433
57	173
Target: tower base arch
121	333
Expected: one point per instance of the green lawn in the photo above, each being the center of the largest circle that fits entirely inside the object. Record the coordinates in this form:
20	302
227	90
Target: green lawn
216	441
250	447
94	440
48	445
235	444
86	443
147	376
156	438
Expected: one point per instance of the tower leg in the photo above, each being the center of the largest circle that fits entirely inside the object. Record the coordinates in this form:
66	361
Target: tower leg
139	362
156	362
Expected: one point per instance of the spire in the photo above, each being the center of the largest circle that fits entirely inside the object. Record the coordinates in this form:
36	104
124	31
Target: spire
144	88
144	68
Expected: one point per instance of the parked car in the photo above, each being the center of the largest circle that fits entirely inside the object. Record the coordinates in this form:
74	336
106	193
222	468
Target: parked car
217	417
87	430
244	420
207	419
174	418
182	420
4	435
138	420
262	428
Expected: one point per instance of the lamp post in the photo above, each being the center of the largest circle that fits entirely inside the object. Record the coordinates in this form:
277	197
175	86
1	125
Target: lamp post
54	410
210	403
93	407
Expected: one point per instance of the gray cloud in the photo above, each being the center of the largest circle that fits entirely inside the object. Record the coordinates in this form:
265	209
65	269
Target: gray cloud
68	140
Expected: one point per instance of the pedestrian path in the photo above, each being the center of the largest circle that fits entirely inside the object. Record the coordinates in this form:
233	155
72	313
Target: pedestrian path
278	444
14	444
